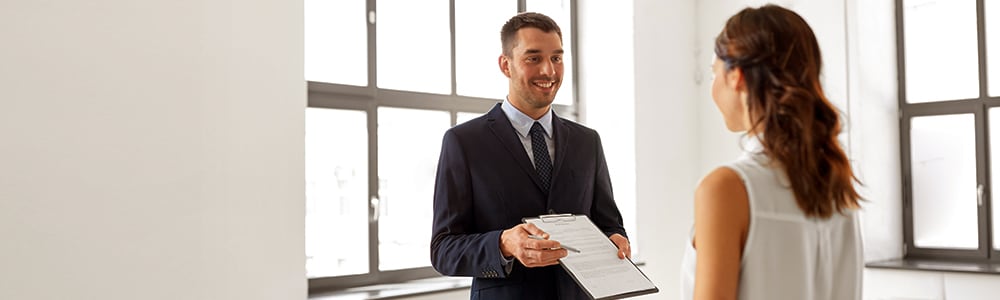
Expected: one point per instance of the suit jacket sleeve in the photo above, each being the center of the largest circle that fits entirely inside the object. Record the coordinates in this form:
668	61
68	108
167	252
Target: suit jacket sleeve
604	211
457	248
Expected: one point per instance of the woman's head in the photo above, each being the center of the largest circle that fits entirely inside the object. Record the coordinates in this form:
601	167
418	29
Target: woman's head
759	52
767	83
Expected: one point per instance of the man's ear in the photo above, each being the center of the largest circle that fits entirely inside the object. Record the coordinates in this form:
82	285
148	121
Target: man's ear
504	65
734	78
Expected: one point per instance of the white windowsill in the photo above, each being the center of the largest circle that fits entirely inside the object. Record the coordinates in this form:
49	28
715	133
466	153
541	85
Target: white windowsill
404	289
938	265
397	290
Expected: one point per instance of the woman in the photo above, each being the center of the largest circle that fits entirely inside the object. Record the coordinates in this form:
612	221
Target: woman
781	221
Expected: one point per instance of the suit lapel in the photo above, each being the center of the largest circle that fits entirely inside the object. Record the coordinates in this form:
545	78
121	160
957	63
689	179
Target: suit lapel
504	131
560	134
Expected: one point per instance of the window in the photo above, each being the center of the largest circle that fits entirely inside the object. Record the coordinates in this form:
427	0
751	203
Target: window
949	127
335	42
381	95
336	191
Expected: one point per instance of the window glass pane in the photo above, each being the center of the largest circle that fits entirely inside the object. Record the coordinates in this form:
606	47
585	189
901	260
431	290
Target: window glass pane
995	170
336	192
992	10
559	10
409	143
414	45
336	41
463	117
942	60
477	46
943	168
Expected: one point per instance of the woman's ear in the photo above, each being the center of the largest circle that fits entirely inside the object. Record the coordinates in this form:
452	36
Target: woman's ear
504	63
734	78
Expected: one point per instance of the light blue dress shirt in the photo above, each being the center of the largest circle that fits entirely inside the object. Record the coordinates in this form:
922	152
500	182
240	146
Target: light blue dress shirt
522	124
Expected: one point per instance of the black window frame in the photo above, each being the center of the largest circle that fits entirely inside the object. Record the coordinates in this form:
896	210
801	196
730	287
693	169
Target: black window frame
979	107
369	98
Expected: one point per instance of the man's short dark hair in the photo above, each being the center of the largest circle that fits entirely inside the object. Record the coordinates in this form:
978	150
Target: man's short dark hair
524	20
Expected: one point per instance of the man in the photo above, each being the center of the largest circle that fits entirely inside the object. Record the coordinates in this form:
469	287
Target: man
520	160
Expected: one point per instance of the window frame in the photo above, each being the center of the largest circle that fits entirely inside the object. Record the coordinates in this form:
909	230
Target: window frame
369	98
979	107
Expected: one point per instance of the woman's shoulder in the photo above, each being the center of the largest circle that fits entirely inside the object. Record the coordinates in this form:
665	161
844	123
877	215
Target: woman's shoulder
720	175
721	186
722	211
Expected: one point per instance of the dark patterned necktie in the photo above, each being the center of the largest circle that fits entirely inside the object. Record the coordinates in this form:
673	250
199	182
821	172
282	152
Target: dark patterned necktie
543	164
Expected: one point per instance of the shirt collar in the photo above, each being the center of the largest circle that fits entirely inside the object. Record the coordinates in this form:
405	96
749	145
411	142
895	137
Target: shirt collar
752	146
522	122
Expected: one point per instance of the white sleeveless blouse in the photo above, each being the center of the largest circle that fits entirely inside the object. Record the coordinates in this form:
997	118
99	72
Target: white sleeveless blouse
788	255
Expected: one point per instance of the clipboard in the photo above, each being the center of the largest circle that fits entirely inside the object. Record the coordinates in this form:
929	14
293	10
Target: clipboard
596	268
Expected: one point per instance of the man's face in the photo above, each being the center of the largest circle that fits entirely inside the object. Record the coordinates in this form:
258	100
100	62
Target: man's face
535	68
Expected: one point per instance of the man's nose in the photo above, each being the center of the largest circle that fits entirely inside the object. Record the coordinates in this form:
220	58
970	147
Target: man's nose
548	68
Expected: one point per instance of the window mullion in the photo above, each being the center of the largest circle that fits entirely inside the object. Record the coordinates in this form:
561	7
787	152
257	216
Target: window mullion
983	139
904	133
373	186
373	251
983	179
985	210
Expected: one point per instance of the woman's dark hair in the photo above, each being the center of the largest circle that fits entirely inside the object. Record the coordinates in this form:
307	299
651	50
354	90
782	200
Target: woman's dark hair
524	20
780	60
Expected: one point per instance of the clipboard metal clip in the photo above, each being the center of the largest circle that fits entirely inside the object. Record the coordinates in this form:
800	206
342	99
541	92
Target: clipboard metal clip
552	218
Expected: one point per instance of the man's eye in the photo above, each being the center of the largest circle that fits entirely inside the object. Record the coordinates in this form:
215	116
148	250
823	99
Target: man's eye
557	59
532	59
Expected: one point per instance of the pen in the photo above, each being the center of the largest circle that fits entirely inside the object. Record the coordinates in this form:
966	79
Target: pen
535	237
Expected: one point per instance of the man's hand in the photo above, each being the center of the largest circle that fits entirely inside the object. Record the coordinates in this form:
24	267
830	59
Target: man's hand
531	252
624	250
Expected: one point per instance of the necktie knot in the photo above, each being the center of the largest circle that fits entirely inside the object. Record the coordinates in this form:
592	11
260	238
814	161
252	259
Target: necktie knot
537	129
540	151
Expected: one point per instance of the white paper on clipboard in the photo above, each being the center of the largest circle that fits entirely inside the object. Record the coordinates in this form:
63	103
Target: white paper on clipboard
597	268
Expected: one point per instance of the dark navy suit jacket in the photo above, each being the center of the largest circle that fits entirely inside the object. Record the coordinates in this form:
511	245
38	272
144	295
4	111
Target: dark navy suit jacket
486	184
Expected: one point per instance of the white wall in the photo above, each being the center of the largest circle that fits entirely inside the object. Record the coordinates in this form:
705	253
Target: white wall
715	143
874	124
666	122
882	284
151	150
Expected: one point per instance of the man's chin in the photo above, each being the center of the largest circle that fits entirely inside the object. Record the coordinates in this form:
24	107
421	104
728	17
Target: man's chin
546	99
544	102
